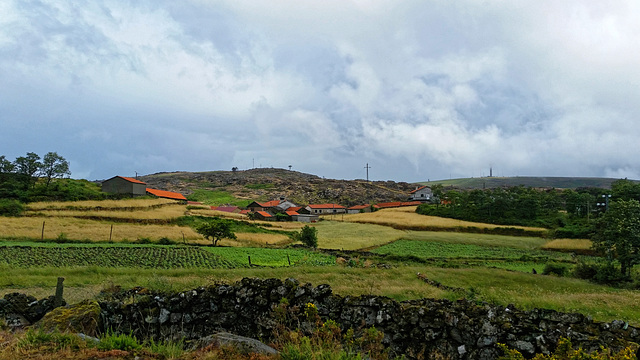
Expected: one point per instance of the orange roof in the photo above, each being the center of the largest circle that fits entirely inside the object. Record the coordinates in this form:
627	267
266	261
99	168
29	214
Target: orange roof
291	213
132	180
326	206
264	213
166	194
418	189
245	212
294	208
194	203
358	207
397	204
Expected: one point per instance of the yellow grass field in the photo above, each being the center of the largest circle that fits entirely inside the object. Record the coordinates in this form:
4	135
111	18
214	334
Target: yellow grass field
353	236
407	218
98	204
83	229
579	245
163	213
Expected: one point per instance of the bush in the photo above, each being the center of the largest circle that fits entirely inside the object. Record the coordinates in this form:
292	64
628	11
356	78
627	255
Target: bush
9	207
555	269
585	271
309	236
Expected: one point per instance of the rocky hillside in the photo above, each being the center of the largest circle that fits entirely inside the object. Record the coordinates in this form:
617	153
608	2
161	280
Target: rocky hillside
270	184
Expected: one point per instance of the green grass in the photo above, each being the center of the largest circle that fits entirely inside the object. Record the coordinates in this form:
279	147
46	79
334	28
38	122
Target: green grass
528	181
431	250
216	198
517	242
525	290
259	186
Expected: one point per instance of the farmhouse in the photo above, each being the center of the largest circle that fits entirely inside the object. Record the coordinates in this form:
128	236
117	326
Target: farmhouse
305	218
320	209
124	185
166	194
265	206
422	193
396	204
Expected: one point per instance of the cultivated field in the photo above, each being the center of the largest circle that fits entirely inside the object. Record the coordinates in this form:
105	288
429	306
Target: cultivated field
407	218
476	263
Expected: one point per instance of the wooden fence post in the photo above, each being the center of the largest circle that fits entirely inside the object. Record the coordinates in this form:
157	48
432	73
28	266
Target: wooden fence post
249	260
288	259
111	233
42	235
59	289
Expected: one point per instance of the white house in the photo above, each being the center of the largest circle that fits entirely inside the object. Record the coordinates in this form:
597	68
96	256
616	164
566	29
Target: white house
422	193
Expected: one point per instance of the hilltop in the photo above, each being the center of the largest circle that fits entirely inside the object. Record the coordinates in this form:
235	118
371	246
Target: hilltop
269	183
545	182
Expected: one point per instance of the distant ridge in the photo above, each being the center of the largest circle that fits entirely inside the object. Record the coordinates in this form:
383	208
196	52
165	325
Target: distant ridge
546	182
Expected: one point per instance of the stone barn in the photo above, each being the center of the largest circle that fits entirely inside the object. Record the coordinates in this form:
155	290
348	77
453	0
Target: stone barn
124	185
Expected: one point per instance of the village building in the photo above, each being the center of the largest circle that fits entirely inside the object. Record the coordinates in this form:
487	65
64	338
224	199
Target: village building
323	209
422	193
265	206
359	209
305	218
124	185
263	215
229	209
396	204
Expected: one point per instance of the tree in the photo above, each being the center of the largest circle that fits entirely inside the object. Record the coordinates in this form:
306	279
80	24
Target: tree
5	165
309	236
54	166
216	229
28	166
618	234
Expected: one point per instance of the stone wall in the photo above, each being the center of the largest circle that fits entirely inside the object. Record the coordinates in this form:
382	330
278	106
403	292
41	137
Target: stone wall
419	329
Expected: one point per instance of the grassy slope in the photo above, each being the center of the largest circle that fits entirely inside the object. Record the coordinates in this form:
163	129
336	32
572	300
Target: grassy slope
529	181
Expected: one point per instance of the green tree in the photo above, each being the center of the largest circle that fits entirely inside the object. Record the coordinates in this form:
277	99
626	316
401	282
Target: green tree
309	236
27	167
618	234
216	230
5	165
54	166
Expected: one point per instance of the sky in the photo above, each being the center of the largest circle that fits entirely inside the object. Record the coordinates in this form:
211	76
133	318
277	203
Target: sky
417	89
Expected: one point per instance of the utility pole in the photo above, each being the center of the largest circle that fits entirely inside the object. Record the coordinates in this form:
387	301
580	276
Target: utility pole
367	167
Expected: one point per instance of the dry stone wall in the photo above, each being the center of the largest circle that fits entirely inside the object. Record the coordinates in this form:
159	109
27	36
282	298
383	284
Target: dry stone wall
418	329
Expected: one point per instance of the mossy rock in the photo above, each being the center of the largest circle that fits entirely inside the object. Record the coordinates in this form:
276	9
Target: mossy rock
83	317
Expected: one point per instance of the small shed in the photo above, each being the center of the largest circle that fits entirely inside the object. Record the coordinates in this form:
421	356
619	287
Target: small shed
321	209
306	218
124	185
359	209
263	215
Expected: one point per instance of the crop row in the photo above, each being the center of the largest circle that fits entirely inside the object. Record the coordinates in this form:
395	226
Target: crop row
136	257
151	257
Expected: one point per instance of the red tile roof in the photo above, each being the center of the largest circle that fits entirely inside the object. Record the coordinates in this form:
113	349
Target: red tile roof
418	189
264	214
136	181
245	212
166	194
326	206
271	203
194	203
291	213
294	208
358	207
397	204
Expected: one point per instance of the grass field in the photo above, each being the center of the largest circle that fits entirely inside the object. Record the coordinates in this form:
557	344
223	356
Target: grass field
124	204
526	291
407	218
353	236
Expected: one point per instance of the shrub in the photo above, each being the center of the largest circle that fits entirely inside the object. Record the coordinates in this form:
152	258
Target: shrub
309	236
123	342
555	269
9	207
585	271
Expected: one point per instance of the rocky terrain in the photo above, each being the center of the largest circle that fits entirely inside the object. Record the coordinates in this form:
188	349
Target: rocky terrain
269	184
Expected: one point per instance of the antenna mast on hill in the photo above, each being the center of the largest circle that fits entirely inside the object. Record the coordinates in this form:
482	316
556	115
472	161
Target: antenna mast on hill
367	167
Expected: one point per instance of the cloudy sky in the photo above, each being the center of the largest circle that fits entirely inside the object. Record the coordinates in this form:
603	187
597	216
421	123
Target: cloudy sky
417	89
